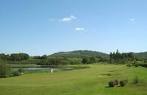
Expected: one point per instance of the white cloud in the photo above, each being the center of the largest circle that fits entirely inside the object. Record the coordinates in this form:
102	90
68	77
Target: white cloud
68	19
64	19
132	19
79	29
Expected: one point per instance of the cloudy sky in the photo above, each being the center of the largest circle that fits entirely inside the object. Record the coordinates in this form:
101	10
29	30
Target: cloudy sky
46	26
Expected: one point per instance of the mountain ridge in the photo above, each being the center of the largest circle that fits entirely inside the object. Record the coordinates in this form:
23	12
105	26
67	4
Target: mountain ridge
80	53
89	53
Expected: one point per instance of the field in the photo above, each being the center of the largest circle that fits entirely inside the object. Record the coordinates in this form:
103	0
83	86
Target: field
88	81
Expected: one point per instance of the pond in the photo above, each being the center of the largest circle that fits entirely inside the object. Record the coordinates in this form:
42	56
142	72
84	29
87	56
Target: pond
49	69
32	69
42	69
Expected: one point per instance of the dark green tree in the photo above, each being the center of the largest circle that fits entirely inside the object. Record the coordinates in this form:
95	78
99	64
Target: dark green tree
85	60
92	60
117	57
19	56
4	70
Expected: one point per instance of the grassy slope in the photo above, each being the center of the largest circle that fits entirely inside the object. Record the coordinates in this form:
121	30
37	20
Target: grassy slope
90	81
80	53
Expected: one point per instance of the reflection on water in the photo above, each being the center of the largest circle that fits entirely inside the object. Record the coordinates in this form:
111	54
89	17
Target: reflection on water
36	68
50	69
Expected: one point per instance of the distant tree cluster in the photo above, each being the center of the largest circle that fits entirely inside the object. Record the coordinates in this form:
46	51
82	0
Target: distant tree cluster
23	58
117	57
40	57
59	61
14	57
88	60
53	61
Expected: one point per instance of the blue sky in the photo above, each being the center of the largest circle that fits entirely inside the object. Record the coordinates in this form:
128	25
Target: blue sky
46	26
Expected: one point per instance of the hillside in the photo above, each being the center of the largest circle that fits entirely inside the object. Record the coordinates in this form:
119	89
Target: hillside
141	55
80	53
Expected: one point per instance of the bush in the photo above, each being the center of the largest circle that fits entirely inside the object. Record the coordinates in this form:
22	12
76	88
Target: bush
4	70
120	83
123	83
116	82
16	73
20	70
113	83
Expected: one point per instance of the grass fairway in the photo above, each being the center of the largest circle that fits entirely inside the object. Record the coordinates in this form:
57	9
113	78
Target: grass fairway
89	81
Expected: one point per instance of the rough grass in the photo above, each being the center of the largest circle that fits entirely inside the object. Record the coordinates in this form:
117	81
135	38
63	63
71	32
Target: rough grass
89	81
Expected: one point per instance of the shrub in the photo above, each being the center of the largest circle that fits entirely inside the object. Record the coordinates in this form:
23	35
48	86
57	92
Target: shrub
20	70
4	70
16	73
113	83
123	83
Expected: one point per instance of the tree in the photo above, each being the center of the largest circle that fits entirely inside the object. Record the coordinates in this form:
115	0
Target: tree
4	56
19	56
4	70
40	57
44	57
116	57
92	60
85	60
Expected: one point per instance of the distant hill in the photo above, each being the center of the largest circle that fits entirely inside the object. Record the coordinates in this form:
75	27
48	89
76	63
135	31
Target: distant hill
80	53
141	55
89	53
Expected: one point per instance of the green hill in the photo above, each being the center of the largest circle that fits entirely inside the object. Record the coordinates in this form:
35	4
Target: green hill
141	55
80	53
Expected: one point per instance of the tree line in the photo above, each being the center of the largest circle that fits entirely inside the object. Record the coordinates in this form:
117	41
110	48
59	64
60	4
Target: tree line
23	58
14	57
45	60
117	57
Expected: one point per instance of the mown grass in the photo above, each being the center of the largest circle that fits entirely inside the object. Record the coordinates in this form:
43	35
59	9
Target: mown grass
88	81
